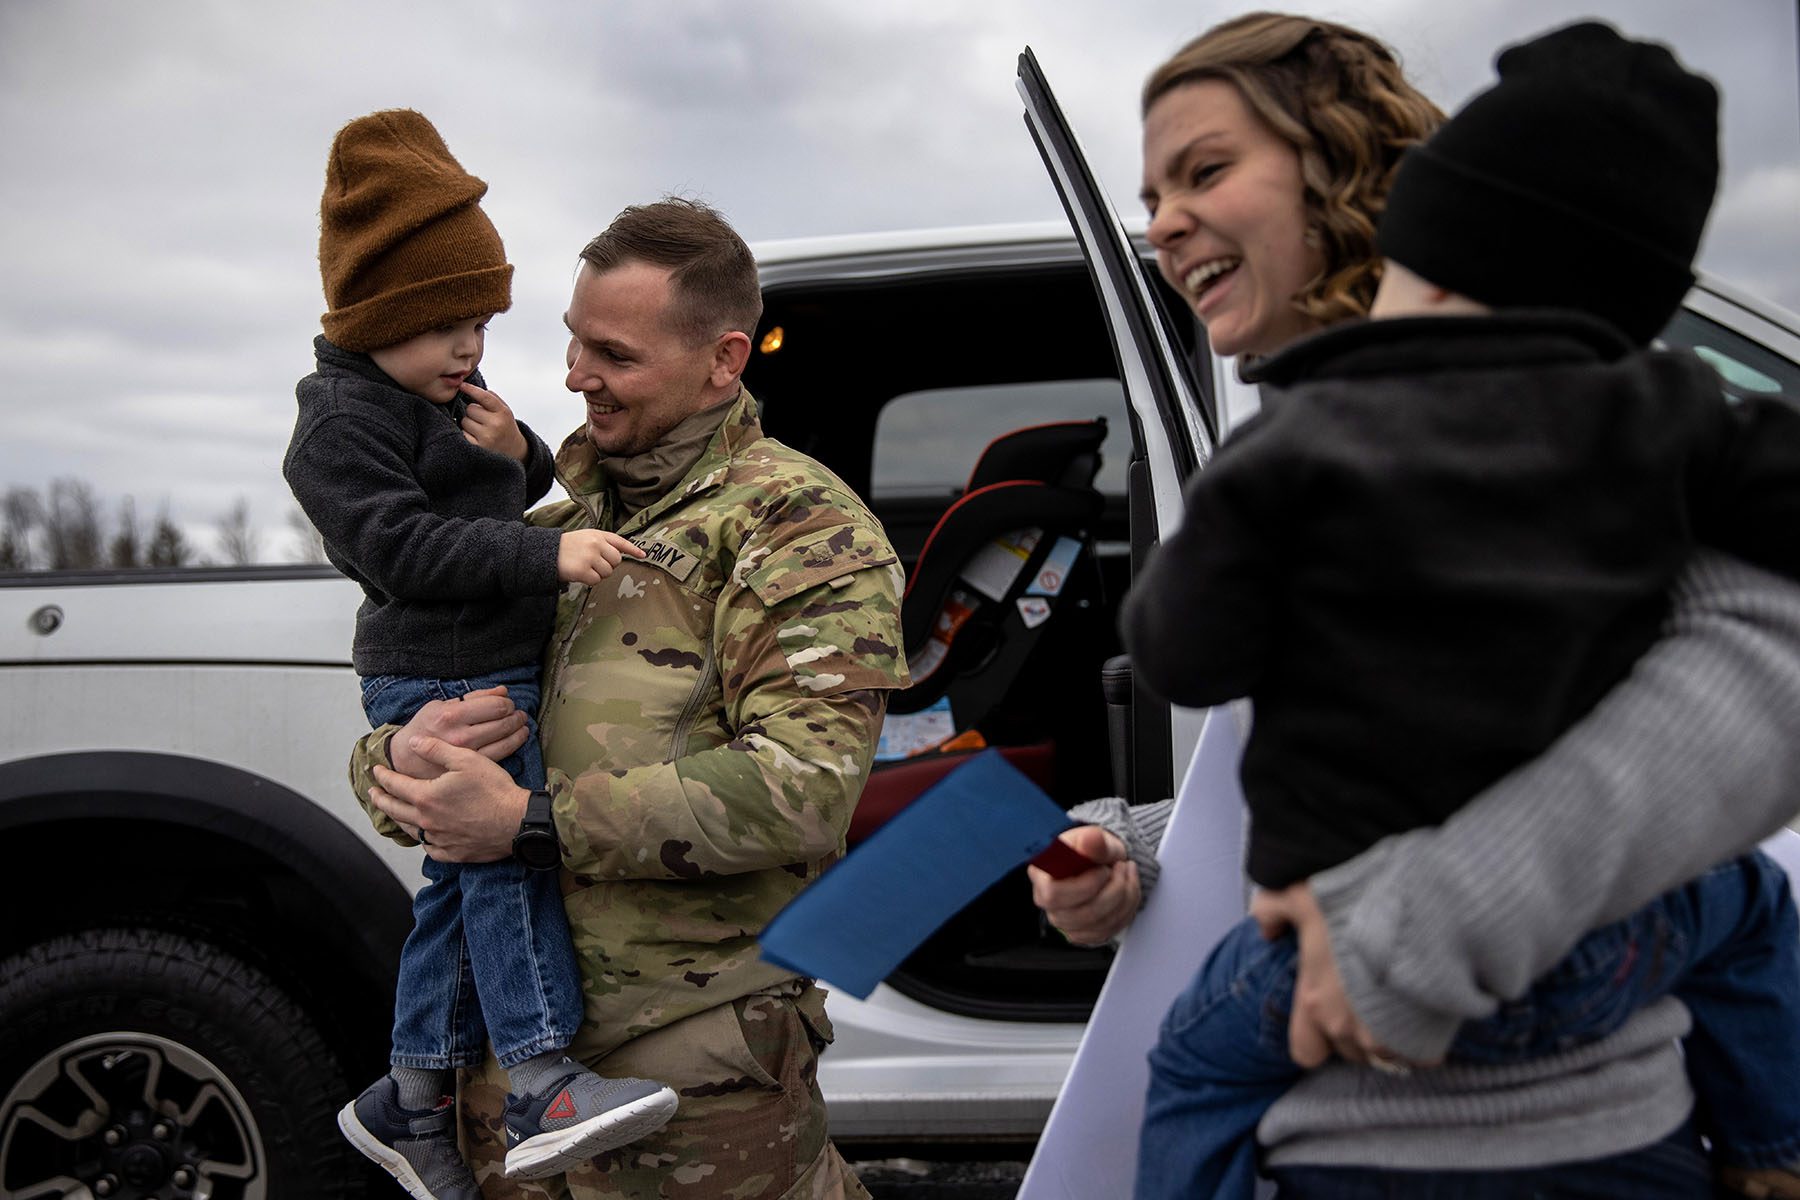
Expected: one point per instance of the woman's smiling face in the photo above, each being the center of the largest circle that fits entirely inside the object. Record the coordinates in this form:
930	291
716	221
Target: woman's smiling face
1228	218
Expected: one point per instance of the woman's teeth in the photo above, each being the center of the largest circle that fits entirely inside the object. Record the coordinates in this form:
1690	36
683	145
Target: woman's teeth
1202	275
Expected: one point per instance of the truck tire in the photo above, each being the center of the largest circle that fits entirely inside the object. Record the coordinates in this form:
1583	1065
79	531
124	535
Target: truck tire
143	1062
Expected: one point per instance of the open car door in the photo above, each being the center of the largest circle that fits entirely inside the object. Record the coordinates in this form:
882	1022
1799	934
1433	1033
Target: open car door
1170	400
1089	1147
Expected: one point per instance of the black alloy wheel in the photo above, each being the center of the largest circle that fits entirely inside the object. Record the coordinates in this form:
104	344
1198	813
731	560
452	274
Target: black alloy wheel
138	1063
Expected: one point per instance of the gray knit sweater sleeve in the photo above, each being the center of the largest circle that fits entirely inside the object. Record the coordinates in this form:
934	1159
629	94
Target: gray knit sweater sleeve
1139	826
1591	1101
1688	762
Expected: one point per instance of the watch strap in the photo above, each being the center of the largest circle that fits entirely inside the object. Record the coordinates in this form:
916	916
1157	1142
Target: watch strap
536	844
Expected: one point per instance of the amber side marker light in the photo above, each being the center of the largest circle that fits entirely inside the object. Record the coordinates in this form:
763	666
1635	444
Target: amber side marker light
771	341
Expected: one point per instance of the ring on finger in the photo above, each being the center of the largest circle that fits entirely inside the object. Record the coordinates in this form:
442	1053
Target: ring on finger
1389	1065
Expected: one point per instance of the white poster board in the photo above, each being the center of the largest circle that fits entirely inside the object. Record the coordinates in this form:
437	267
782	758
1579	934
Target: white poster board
1089	1146
1784	848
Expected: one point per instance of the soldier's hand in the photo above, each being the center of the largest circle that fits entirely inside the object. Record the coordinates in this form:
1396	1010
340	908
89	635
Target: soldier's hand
1092	907
484	721
589	555
468	812
489	422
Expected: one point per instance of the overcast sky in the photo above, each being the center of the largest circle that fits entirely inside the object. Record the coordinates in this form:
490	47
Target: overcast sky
163	163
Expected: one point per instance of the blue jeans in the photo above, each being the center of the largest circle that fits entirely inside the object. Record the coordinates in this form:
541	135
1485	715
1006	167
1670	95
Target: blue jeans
1727	944
1675	1168
489	955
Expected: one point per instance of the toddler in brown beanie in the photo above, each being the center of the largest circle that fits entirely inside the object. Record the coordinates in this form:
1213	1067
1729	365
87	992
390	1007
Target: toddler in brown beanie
417	477
1466	520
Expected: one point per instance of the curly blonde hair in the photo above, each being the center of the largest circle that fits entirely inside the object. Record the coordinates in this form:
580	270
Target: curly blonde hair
1339	97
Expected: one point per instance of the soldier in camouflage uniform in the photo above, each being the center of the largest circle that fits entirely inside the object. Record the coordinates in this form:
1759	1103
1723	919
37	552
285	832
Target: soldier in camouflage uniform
710	714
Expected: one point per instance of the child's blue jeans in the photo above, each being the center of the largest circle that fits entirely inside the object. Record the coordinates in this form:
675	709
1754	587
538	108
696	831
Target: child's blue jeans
1727	944
489	955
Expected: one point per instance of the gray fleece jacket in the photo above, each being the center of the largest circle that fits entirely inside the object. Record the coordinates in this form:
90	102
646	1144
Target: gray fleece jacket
454	582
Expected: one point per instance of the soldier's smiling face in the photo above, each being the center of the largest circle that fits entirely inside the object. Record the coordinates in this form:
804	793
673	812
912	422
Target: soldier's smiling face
639	372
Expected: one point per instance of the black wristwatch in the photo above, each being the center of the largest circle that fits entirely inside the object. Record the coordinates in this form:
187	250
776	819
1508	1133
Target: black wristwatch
535	844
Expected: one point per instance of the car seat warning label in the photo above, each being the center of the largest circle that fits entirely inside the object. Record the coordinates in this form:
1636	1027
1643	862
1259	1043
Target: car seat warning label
1054	571
993	568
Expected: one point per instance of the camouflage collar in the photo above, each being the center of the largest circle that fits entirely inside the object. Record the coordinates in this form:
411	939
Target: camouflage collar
578	467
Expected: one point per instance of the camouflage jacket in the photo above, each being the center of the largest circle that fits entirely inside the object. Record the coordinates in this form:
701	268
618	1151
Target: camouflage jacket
709	716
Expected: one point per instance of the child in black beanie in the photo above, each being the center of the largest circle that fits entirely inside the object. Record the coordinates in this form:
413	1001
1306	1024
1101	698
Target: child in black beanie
1443	539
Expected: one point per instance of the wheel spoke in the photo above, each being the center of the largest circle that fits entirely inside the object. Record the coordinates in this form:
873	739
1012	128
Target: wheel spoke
58	1185
85	1125
74	1068
209	1093
60	1188
214	1169
243	1165
152	1079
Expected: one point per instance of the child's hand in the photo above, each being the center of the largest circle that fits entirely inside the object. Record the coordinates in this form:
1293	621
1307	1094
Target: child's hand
489	422
589	555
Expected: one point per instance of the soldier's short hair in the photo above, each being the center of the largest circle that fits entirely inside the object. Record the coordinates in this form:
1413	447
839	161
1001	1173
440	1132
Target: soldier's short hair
712	270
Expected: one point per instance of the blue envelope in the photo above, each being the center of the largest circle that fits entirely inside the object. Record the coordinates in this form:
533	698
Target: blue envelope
857	923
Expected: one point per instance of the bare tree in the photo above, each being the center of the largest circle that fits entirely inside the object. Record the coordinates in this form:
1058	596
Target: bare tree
237	537
127	546
21	511
309	546
72	534
167	547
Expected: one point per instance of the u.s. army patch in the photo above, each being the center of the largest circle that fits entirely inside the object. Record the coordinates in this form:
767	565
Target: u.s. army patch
669	557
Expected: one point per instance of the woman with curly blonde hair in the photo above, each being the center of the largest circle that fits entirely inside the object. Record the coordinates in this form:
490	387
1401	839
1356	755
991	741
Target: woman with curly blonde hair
1270	143
1338	100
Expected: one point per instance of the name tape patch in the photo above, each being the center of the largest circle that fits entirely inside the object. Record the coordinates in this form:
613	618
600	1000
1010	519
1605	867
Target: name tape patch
671	558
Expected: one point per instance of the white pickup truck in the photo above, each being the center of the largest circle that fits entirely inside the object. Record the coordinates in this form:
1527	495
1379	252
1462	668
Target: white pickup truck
199	931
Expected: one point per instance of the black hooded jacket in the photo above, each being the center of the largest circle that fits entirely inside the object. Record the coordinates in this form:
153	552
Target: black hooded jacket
454	582
1441	542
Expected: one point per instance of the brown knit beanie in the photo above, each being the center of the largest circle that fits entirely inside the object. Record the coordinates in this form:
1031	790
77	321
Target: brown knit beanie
403	244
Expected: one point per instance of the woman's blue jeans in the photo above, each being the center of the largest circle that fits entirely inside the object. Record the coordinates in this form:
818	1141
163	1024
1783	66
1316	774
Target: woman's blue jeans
489	955
1727	944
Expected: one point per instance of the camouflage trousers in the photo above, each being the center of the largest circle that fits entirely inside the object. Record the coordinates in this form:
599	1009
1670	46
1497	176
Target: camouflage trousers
750	1126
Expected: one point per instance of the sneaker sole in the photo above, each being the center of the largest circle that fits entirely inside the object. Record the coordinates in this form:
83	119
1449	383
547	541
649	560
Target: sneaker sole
389	1159
554	1153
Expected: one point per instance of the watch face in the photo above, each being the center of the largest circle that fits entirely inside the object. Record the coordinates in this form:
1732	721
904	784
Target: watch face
537	849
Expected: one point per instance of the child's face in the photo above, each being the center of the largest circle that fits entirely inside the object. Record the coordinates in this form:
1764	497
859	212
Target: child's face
435	363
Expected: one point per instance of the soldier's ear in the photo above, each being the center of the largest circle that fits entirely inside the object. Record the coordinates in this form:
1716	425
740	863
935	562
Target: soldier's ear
730	353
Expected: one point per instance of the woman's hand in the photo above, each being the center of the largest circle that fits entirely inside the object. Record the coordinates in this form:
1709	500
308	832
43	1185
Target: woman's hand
1093	907
485	722
1322	1022
468	811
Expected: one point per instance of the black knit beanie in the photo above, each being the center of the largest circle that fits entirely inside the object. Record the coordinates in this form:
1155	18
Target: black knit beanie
1582	179
403	244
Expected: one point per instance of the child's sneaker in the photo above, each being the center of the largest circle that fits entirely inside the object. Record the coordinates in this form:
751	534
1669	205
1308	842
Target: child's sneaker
577	1117
417	1146
1762	1183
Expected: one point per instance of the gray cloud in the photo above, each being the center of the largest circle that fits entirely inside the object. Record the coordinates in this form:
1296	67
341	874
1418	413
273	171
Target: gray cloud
164	163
